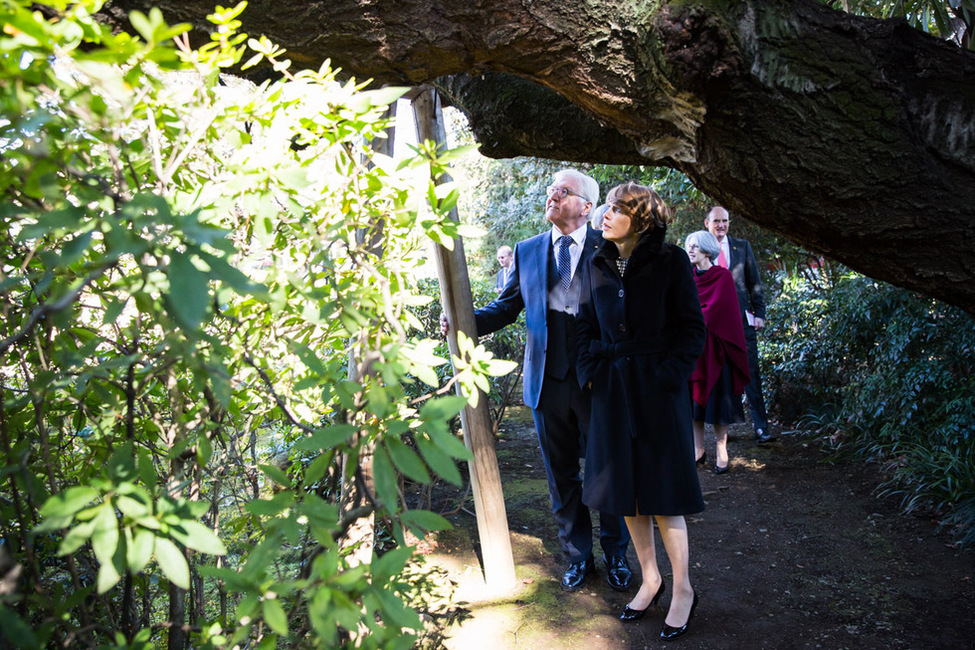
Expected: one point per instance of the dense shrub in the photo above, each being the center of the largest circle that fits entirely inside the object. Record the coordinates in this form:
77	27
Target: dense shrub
507	343
884	374
203	339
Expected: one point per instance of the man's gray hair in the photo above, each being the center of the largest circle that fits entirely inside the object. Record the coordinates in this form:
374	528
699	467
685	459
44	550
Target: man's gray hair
590	188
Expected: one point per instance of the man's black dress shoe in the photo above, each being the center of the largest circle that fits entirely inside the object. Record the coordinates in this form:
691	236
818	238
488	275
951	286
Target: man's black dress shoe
618	573
630	614
576	574
669	632
761	436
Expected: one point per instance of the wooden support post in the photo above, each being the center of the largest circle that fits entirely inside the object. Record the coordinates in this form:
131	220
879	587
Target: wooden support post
455	291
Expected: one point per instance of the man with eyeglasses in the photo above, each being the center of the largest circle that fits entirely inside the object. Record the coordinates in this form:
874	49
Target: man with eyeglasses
546	281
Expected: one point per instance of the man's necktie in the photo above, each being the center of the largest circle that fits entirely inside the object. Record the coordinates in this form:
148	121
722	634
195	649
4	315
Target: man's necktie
565	262
722	260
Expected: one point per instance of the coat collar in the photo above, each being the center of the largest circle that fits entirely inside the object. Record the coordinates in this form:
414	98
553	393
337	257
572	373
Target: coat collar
650	245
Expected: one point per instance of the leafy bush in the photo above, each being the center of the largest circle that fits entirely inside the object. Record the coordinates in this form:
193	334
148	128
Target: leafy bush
188	266
885	374
507	343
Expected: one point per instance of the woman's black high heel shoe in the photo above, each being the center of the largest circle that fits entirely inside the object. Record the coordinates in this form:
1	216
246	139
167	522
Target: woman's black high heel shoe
669	633
703	459
636	614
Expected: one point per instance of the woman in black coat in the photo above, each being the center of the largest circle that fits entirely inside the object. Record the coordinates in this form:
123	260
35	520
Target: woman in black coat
640	333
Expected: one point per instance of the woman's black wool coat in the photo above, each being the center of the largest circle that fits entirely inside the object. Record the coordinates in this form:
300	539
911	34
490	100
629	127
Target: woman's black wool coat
639	338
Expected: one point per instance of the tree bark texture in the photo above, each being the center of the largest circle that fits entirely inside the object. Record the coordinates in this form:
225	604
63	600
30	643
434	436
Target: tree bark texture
851	136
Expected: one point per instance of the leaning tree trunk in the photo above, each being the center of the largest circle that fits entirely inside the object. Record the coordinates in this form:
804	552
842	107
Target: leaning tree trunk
851	136
455	292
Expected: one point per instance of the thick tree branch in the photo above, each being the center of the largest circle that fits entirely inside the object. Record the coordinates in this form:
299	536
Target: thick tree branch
853	137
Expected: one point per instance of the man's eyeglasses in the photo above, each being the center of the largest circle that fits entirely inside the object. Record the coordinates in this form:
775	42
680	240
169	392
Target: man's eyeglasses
562	192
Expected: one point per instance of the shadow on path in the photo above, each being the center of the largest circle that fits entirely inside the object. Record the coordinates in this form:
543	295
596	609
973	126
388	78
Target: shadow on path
791	552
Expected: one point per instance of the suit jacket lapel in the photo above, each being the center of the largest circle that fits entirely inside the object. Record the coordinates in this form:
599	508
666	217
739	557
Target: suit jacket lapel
546	262
735	252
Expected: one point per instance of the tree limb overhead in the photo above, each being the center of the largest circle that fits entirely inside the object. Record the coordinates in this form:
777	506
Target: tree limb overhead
851	136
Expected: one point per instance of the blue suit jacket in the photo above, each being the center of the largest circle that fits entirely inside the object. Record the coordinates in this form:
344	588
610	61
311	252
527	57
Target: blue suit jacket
534	272
748	281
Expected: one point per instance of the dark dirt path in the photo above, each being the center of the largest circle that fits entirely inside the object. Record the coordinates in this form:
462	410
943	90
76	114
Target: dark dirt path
791	552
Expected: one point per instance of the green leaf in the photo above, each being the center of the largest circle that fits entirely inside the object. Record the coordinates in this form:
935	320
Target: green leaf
204	450
406	460
384	567
275	474
113	309
385	96
308	357
105	536
189	294
385	477
68	502
320	512
270	507
448	443
395	611
438	461
325	439
443	408
147	471
193	534
15	631
139	550
172	562
425	520
108	577
76	537
133	506
75	248
317	469
141	24
274	616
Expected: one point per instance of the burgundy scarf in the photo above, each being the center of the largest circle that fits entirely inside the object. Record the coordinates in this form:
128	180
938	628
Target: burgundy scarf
725	342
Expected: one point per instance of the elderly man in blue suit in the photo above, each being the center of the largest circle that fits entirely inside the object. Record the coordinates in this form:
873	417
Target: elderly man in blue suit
736	256
546	282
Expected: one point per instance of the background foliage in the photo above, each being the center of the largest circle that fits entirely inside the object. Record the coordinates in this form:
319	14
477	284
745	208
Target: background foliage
882	375
952	20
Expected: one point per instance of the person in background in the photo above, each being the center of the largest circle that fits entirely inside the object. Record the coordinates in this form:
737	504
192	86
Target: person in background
596	220
721	373
640	333
505	258
546	282
736	256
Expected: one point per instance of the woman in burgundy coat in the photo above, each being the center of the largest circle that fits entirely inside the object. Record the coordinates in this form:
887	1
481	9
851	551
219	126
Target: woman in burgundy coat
640	333
721	373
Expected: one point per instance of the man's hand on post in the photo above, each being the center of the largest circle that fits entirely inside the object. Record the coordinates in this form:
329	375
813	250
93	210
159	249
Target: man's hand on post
444	325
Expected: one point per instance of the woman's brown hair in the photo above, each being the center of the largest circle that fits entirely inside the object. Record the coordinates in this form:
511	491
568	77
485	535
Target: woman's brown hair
641	204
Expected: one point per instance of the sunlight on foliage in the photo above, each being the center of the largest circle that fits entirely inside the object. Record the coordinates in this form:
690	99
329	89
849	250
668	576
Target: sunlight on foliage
193	268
